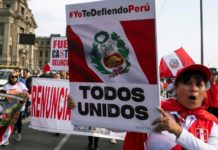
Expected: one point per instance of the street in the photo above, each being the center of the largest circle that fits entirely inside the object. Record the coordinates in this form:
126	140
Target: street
40	140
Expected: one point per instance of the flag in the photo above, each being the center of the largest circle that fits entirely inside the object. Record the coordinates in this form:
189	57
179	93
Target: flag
112	48
201	133
170	63
134	69
5	132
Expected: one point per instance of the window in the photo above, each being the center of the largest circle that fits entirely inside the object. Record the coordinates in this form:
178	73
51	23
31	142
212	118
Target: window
10	50
46	54
8	6
1	49
21	30
1	29
40	54
22	10
40	63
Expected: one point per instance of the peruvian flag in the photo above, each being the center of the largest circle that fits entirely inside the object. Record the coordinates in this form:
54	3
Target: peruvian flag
201	133
111	52
170	63
5	132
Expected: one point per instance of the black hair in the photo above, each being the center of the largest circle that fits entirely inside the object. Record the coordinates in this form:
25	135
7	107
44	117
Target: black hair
186	76
18	68
26	69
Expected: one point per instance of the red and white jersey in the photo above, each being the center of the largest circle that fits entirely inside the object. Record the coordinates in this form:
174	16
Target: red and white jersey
5	133
168	141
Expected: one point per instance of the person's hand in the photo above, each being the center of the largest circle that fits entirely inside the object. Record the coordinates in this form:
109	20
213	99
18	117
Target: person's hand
26	95
13	92
70	103
167	123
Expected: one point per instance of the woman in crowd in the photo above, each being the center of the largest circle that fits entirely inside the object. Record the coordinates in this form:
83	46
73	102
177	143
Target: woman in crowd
184	124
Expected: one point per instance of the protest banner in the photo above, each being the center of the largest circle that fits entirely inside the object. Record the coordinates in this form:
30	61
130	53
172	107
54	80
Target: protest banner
10	107
113	64
59	54
50	112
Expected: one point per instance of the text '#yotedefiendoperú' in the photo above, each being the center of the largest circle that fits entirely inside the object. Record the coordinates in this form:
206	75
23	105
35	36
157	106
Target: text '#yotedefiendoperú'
109	11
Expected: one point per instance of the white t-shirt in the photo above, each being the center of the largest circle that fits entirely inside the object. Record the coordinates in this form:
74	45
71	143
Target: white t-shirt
19	86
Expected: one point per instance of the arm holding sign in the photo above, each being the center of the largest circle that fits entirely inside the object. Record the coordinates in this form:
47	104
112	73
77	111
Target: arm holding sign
184	124
166	122
70	103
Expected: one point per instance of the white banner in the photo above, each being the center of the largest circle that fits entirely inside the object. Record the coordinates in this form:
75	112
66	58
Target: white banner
50	112
113	64
59	54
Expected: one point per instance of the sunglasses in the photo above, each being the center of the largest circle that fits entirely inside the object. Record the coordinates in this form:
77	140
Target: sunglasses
13	76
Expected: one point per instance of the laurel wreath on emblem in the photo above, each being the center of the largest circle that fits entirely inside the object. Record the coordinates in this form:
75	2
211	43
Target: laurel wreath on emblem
96	56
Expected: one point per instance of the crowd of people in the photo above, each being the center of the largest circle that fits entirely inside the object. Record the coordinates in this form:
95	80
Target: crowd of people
19	82
189	111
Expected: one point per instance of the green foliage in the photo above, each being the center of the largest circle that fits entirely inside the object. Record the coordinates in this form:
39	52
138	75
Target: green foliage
96	59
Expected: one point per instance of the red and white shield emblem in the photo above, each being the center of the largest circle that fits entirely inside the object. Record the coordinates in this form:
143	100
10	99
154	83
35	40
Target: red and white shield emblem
201	133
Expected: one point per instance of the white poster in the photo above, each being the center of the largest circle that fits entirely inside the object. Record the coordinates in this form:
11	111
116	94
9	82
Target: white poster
59	54
113	64
50	112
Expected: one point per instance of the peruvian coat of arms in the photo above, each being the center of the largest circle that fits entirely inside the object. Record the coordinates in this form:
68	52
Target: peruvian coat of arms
109	54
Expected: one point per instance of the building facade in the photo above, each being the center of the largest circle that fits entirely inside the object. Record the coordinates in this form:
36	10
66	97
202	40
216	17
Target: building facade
15	19
43	44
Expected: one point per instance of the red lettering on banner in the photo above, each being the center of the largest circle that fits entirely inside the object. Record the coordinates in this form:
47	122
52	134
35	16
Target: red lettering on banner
142	8
57	62
33	96
50	102
60	99
60	44
43	100
54	103
38	98
75	14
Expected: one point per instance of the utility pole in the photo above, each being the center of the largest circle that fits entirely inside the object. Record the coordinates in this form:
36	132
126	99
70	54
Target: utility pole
201	26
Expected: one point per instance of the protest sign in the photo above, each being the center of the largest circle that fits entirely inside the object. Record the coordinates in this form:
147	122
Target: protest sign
50	112
59	54
10	107
113	64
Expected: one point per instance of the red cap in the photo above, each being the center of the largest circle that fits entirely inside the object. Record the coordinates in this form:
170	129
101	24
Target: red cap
195	67
46	68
